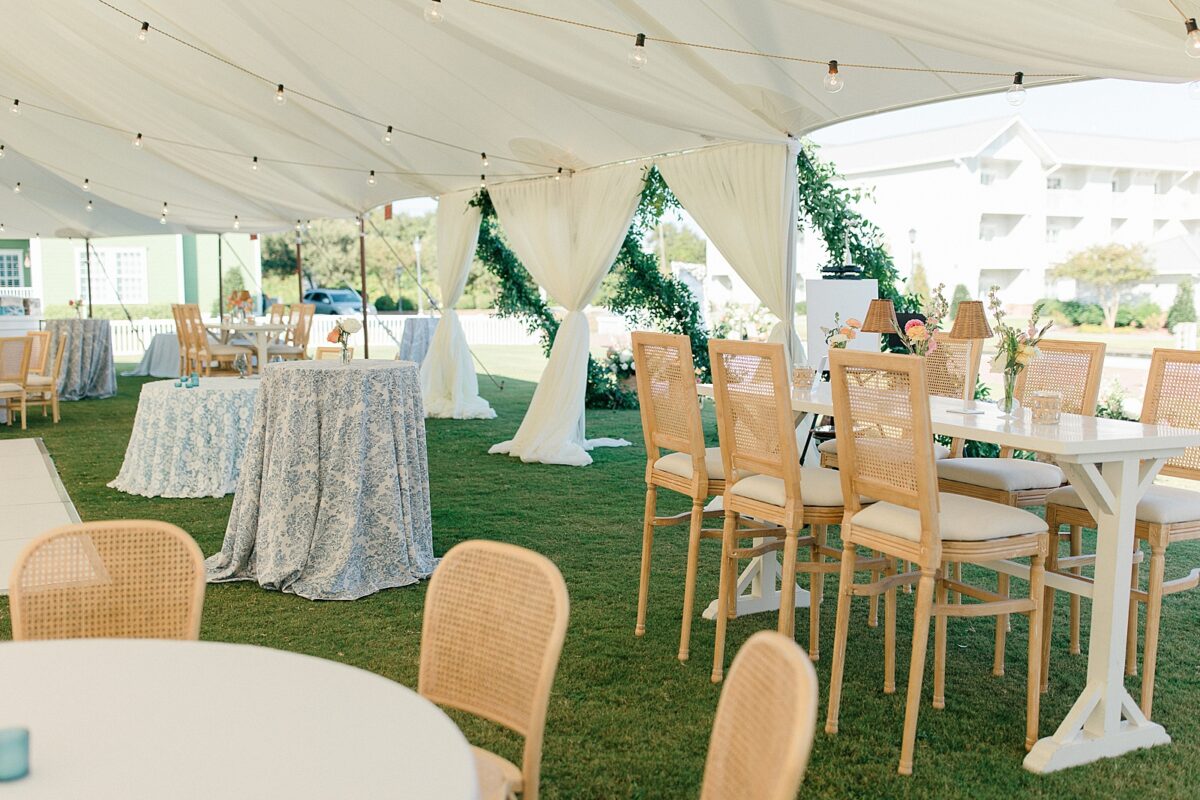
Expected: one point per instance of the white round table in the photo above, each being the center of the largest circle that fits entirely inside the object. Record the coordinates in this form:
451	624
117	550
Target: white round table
154	719
188	442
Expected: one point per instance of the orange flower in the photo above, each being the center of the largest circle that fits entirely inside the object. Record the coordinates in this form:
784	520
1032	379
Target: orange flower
848	332
333	336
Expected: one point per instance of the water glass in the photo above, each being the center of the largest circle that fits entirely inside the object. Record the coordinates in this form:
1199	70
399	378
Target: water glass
1046	407
14	753
803	377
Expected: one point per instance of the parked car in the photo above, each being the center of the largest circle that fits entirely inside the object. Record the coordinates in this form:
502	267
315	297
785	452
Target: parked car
335	301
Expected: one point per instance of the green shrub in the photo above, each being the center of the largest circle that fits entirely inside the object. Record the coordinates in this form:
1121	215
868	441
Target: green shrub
1184	307
1072	312
961	293
385	303
1140	314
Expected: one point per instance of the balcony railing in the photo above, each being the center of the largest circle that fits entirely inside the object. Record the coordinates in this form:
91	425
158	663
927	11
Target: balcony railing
22	292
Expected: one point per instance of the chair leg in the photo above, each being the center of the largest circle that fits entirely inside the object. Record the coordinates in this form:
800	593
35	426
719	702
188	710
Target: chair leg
728	586
816	591
787	589
873	601
1047	616
54	404
840	632
24	413
1158	559
1001	628
1076	549
889	633
1033	689
939	650
1131	627
647	543
689	581
916	669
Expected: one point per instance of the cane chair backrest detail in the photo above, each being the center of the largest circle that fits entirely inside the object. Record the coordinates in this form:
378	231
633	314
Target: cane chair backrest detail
1173	397
1072	368
301	317
39	351
666	386
14	359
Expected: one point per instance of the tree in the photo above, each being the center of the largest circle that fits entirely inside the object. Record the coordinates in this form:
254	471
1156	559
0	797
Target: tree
1184	307
960	293
1108	270
918	284
681	243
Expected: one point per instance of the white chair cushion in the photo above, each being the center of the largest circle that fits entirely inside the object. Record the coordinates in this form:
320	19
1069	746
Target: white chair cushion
499	778
818	487
218	349
939	450
1005	474
1161	505
38	380
286	348
10	387
681	464
962	519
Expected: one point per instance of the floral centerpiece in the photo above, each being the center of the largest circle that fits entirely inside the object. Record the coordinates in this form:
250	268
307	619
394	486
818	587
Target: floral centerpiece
620	363
77	307
917	336
341	332
840	335
1015	348
240	305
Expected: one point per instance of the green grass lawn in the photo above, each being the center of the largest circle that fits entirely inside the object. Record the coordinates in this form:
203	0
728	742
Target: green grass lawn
626	719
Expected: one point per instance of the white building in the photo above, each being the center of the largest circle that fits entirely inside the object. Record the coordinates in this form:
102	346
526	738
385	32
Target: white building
998	203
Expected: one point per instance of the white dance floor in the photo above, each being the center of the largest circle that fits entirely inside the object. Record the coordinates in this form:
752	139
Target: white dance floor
32	499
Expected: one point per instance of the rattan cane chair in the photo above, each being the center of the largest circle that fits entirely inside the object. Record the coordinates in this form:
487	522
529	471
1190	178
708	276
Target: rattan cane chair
1165	514
14	376
279	314
763	731
128	579
331	353
183	337
42	390
666	386
757	430
881	408
495	619
949	368
203	351
297	335
39	351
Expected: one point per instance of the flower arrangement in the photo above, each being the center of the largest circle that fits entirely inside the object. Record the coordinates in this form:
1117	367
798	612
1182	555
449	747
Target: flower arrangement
341	332
1015	347
840	335
240	304
77	306
620	363
917	336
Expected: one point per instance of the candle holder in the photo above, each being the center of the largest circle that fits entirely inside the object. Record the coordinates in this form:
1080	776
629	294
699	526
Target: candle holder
14	753
1046	407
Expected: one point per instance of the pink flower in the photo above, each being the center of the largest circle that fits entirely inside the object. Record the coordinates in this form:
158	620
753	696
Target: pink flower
932	346
913	323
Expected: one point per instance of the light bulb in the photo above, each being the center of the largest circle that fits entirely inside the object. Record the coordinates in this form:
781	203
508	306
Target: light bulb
298	226
254	164
17	188
280	97
137	141
482	182
2	228
142	32
370	182
162	220
2	151
1191	45
637	54
558	175
833	79
483	157
387	135
87	186
15	107
433	12
1016	92
237	223
89	205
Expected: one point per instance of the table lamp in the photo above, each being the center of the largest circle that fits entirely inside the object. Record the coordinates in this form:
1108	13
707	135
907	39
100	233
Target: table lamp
970	323
881	318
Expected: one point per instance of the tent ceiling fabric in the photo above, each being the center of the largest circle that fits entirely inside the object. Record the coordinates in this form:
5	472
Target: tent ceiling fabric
510	84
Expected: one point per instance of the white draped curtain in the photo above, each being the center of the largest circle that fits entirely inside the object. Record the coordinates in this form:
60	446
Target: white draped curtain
566	233
744	197
449	387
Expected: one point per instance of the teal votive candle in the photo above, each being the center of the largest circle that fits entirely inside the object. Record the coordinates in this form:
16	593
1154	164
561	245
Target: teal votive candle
14	753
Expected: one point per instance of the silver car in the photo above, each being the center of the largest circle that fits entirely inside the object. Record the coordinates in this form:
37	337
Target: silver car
335	301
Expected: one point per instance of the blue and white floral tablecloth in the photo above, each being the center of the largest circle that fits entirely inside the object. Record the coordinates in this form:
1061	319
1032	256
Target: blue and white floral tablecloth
188	442
87	367
333	498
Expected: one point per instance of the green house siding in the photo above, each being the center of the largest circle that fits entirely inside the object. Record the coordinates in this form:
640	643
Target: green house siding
23	246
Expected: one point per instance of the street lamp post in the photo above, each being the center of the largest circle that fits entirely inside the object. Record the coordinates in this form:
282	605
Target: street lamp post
420	299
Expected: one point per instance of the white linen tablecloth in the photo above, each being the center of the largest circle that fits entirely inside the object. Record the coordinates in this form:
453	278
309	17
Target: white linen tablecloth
161	359
87	367
333	498
188	442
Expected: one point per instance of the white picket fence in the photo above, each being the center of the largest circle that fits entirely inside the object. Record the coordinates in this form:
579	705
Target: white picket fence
131	339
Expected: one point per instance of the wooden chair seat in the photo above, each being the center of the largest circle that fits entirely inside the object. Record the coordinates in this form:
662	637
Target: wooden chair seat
961	519
38	380
681	464
499	778
1001	474
821	487
829	448
286	349
1161	505
10	387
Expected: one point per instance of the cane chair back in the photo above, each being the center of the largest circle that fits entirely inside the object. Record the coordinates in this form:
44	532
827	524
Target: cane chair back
1173	398
332	353
181	335
124	579
302	316
14	359
1072	368
495	619
195	335
666	387
763	731
278	314
56	368
885	438
952	370
754	411
39	351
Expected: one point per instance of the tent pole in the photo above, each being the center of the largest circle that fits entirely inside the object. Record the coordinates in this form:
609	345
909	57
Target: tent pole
220	277
789	327
87	254
299	272
362	272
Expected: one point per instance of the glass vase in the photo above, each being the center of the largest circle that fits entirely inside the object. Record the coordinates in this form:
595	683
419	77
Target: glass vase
1010	407
345	354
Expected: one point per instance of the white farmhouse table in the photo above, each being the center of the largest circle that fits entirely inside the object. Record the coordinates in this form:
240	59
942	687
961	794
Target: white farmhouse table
264	334
140	718
1110	463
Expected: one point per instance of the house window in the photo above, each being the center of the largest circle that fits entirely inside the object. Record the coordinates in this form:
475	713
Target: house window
1052	234
987	233
118	275
987	177
11	272
1053	183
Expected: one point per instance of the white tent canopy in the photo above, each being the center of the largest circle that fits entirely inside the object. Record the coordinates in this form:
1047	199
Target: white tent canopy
532	93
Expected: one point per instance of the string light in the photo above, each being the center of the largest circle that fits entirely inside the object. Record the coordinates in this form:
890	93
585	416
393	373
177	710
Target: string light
237	223
370	179
89	205
17	188
387	135
280	97
433	12
137	141
298	226
637	55
483	158
833	79
87	186
558	175
1016	93
482	182
1191	45
2	228
143	31
254	164
2	151
15	107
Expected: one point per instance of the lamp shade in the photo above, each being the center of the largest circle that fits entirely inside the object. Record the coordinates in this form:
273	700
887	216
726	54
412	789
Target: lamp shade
971	322
881	317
